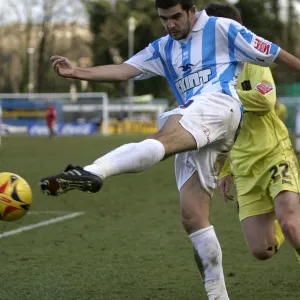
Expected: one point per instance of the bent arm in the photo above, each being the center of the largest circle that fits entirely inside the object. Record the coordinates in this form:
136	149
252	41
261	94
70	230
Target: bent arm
107	73
261	96
255	102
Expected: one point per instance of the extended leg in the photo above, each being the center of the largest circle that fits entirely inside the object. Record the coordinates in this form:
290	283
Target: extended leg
129	158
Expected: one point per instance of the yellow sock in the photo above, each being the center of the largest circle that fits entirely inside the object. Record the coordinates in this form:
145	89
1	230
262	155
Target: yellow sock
279	237
297	252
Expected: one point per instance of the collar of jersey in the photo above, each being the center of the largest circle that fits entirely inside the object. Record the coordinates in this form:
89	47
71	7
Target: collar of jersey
202	20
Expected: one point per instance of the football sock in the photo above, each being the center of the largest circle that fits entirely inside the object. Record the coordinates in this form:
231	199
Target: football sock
209	260
297	252
279	237
129	158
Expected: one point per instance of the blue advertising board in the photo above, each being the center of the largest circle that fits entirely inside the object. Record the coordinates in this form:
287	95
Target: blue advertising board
18	112
64	129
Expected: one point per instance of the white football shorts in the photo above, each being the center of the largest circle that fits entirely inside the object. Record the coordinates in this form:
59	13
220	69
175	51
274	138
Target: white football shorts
214	120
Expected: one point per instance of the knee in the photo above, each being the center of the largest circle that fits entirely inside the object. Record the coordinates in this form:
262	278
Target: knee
262	249
193	222
188	222
262	253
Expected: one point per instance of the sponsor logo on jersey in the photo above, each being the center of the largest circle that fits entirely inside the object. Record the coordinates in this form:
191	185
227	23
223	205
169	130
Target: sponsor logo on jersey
264	88
261	45
193	80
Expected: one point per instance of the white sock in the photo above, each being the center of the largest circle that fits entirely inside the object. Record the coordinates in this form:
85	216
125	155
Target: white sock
208	248
129	158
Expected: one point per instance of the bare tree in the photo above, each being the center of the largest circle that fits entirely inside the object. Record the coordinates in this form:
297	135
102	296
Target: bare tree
37	17
23	12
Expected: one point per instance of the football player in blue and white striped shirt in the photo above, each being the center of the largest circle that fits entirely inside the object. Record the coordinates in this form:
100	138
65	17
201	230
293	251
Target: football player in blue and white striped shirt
201	57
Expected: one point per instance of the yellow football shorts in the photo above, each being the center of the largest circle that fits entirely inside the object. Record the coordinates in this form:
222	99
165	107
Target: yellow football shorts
276	173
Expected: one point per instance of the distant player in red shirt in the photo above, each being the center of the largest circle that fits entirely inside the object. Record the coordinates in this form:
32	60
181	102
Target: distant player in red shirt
50	119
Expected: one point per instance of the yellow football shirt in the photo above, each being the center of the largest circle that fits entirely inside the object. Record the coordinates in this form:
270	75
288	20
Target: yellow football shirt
262	130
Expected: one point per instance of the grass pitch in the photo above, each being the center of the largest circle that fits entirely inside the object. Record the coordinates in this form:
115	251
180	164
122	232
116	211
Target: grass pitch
129	244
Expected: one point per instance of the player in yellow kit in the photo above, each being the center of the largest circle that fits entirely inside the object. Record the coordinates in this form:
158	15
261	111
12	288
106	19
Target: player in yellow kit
263	163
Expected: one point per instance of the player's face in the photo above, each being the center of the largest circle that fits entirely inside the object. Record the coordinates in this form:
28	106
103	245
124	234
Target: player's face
177	22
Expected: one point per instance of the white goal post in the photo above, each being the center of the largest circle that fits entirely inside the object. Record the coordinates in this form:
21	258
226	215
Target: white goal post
86	107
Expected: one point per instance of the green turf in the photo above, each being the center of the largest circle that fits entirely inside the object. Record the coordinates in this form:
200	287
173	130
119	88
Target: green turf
129	244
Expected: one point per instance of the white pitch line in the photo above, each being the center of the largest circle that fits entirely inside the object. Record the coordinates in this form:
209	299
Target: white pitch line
48	212
41	224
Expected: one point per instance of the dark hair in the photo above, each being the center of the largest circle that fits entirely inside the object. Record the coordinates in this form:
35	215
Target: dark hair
185	4
223	10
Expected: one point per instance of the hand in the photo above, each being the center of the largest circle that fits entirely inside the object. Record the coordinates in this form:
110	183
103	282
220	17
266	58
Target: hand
62	66
224	185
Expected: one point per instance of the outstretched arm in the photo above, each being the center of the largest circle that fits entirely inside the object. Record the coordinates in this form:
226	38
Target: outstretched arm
288	59
108	73
145	64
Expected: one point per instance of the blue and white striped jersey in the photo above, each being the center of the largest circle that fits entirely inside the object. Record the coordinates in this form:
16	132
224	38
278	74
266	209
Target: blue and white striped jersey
208	60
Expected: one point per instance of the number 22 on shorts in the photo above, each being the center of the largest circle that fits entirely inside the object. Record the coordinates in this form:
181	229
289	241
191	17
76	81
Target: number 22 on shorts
280	171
